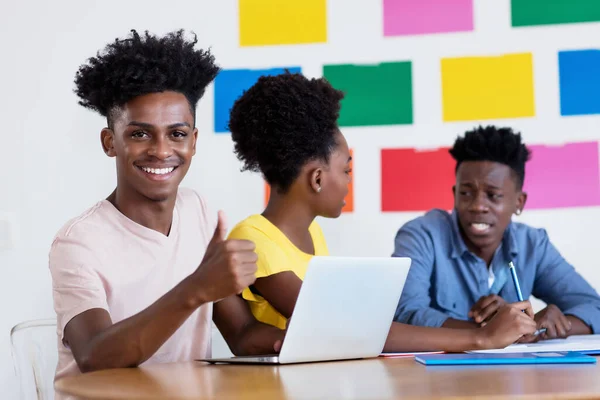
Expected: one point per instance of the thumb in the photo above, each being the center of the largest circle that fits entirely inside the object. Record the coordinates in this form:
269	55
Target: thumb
525	306
220	229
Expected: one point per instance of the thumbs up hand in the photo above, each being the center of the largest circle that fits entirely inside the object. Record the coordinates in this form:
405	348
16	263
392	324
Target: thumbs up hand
228	266
220	231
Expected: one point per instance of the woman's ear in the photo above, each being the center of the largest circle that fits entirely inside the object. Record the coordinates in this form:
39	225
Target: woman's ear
316	180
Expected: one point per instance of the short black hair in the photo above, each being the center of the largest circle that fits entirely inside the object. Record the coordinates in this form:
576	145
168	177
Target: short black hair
282	122
491	143
139	65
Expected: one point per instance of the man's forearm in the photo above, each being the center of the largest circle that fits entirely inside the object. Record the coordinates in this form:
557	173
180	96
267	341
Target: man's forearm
578	327
459	324
409	338
132	341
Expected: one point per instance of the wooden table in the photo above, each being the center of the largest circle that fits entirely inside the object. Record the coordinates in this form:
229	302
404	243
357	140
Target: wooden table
366	379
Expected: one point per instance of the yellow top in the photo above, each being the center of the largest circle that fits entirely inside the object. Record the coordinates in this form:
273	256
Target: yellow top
276	253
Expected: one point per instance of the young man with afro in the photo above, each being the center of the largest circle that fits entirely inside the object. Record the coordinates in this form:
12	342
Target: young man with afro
285	127
135	276
460	274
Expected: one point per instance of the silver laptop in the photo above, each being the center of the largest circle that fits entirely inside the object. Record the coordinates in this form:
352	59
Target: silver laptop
344	311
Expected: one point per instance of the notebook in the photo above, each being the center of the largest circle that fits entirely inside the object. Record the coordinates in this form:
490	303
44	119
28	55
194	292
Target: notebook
585	344
568	357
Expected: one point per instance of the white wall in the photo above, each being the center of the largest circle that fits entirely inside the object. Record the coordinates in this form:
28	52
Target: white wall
53	167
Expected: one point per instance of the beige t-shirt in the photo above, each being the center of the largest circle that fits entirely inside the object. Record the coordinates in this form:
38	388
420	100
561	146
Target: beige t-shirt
102	259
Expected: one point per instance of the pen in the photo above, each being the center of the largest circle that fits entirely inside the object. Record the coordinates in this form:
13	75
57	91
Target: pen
513	273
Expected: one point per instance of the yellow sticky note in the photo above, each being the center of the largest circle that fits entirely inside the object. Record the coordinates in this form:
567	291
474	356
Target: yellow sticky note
269	22
475	88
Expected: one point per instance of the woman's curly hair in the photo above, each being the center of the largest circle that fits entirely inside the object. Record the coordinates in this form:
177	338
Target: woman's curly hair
282	122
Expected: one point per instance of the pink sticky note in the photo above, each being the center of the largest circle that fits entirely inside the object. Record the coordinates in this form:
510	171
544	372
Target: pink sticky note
415	17
563	176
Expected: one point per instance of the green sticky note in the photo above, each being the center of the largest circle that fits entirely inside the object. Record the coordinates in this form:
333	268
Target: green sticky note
374	94
546	12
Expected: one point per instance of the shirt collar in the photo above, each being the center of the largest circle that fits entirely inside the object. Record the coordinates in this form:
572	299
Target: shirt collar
459	248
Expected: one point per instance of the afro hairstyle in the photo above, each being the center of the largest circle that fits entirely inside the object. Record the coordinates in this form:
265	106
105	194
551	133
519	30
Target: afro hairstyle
283	122
491	143
139	65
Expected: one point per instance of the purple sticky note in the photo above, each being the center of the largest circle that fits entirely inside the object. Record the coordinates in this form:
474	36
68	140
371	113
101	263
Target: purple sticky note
416	17
563	176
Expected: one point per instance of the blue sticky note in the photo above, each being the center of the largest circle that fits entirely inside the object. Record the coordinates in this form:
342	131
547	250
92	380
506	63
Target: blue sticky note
230	84
579	82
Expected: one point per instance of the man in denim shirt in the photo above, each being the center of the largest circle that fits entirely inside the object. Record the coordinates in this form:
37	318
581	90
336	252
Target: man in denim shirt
459	274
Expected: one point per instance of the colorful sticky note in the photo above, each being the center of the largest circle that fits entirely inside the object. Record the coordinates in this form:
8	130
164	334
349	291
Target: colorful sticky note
267	193
416	180
348	208
545	12
563	176
230	84
272	22
579	82
476	88
414	17
374	94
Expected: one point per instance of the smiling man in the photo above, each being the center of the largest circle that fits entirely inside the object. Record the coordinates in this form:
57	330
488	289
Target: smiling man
135	276
459	275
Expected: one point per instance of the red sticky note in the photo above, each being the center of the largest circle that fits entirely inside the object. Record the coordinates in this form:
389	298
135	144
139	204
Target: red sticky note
416	180
563	176
349	207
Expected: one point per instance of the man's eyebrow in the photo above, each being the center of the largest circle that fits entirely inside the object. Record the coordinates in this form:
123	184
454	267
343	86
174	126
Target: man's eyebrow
179	125
149	126
492	186
140	124
488	185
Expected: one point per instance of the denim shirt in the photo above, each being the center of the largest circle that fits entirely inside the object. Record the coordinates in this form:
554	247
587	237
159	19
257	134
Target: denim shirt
446	279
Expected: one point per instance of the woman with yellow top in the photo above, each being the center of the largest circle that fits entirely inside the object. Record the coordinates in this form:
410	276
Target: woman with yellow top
285	127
